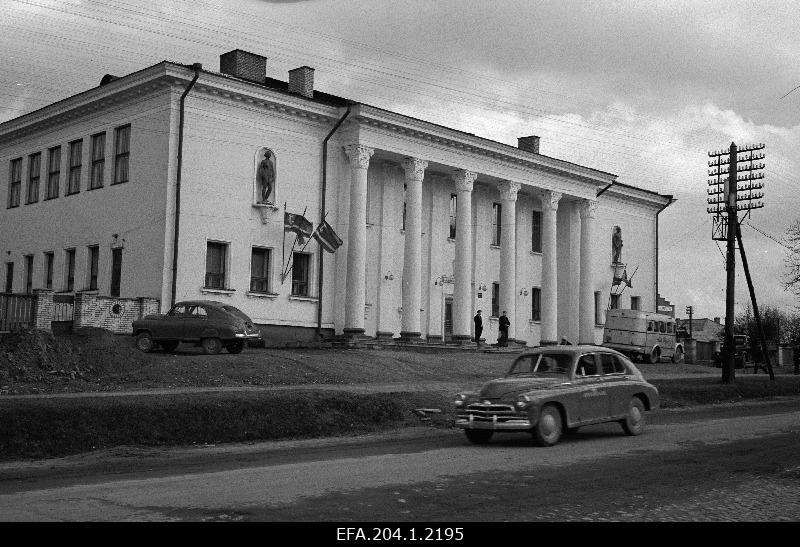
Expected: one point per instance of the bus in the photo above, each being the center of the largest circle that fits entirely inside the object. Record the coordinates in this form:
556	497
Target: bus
648	336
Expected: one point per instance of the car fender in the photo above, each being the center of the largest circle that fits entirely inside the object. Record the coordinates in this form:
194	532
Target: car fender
211	333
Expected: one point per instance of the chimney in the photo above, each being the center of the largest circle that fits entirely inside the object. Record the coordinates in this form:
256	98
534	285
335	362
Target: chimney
301	80
107	79
716	320
244	64
529	144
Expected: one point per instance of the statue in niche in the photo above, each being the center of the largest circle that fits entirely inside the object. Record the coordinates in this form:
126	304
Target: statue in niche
616	245
266	178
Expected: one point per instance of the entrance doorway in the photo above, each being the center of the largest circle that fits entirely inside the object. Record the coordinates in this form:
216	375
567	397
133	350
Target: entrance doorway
448	318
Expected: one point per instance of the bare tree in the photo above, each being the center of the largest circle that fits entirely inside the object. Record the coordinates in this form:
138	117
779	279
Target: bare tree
792	239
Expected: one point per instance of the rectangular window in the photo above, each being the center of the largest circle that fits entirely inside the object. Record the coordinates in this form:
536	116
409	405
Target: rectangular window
536	232
259	270
49	258
98	160
453	212
301	263
405	187
122	147
9	276
496	228
53	172
495	299
116	271
69	270
536	304
93	266
216	259
34	173
598	309
28	274
614	301
15	183
636	302
75	162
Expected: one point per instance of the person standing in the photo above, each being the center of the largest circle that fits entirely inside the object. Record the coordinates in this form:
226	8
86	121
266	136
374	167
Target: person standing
478	327
504	324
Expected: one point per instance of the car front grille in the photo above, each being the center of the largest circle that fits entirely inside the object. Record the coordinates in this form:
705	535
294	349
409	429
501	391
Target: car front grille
491	412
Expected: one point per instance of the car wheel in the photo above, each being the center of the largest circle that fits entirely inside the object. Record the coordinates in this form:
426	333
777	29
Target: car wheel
169	345
211	346
478	436
654	356
633	424
677	357
235	347
549	427
144	342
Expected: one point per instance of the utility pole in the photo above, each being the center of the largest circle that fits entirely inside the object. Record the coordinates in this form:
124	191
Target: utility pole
690	311
725	197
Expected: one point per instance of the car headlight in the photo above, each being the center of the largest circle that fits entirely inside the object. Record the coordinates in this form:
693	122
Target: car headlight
523	402
461	400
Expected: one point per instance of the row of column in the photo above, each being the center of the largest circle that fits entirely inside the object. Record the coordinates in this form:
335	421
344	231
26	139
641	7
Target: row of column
360	155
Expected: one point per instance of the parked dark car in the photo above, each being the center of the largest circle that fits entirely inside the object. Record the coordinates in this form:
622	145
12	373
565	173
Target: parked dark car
557	389
208	323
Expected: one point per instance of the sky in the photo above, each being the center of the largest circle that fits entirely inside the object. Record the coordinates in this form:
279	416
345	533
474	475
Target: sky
643	90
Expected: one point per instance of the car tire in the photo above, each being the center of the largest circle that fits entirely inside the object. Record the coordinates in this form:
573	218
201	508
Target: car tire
235	347
144	342
549	428
677	357
654	356
478	436
169	345
211	346
633	424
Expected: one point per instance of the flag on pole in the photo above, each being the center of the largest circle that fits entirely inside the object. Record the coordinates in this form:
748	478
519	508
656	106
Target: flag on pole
326	237
297	224
622	279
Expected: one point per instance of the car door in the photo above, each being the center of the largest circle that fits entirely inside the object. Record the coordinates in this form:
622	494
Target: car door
615	381
172	326
196	322
593	399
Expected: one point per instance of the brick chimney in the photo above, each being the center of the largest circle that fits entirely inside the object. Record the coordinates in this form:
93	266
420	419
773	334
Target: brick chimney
529	144
244	64
301	80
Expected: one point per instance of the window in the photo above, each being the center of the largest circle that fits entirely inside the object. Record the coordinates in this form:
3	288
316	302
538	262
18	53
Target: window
611	364
29	274
116	271
598	309
614	301
587	365
405	187
34	173
216	259
53	172
122	147
536	304
69	269
9	276
669	328
15	183
259	270
98	160
453	211
93	265
536	232
636	302
75	161
48	270
301	263
649	326
661	327
495	299
496	228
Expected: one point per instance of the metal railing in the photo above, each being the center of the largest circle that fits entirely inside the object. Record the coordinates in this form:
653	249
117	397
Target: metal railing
16	311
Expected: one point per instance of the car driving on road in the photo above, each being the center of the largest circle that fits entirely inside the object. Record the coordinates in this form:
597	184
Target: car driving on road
211	324
556	389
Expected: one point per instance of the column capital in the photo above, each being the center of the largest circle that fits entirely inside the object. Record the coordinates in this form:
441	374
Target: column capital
509	189
359	155
550	199
588	208
464	180
415	168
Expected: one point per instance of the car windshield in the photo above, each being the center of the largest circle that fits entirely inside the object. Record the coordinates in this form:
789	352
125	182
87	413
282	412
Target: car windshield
542	364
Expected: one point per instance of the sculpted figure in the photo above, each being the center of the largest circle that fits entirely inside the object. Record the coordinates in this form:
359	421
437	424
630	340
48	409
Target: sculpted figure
266	177
616	245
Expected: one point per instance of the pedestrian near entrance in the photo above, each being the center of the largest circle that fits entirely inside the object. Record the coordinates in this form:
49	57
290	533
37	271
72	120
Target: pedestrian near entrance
478	327
502	340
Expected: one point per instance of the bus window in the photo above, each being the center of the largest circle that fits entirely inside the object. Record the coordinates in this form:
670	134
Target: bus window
649	326
669	328
661	327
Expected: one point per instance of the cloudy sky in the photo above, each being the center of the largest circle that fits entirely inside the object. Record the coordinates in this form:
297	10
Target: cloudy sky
640	89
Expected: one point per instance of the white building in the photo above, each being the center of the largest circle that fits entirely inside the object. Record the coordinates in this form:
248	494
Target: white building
436	223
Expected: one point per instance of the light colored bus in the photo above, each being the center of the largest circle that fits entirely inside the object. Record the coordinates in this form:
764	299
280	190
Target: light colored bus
641	334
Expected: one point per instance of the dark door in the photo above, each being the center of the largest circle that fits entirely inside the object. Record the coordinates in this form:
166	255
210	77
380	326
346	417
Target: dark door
593	403
116	271
196	323
173	326
448	317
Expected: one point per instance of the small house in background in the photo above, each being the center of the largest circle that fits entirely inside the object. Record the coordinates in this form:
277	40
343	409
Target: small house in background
708	334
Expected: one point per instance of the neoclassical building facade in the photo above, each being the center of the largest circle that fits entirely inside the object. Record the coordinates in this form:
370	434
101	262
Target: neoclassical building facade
155	184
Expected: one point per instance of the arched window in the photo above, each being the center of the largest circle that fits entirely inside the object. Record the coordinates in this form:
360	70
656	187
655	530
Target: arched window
265	176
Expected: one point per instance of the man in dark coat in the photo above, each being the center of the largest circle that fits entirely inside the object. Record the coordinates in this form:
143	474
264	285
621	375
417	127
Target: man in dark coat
504	324
478	327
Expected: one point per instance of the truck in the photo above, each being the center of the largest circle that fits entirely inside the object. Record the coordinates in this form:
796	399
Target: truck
644	335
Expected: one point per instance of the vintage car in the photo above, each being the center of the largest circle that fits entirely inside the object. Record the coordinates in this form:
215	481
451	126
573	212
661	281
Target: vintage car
556	389
213	325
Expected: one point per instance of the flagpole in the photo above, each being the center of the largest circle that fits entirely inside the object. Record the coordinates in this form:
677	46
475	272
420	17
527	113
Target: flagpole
283	244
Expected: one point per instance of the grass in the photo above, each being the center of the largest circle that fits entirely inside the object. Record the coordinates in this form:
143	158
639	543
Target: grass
677	393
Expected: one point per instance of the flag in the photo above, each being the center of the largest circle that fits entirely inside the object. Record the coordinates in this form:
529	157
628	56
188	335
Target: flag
326	237
623	279
297	224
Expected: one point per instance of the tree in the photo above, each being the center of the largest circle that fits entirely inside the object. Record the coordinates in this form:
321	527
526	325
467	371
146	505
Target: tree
792	238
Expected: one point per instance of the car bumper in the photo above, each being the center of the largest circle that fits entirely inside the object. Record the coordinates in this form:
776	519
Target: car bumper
493	424
248	336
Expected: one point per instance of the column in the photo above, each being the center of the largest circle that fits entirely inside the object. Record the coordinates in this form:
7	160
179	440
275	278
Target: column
508	252
549	333
586	308
355	297
462	289
412	257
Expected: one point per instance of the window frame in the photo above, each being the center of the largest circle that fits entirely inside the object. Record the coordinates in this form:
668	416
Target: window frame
536	304
495	300
98	162
34	178
636	303
453	215
123	156
69	269
116	272
49	266
14	183
220	277
53	173
9	285
497	228
92	267
301	282
75	169
266	278
536	231
29	265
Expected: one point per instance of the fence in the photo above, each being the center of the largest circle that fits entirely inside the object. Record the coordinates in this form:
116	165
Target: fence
16	311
